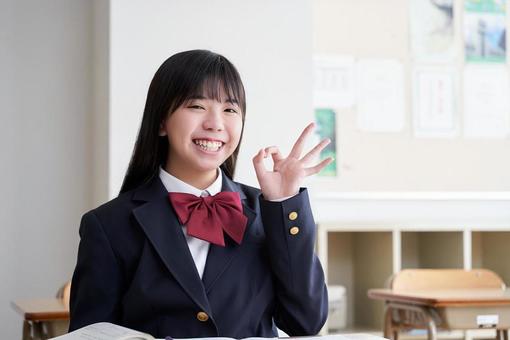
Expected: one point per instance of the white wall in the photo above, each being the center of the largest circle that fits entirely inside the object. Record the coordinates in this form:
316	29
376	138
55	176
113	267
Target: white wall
268	41
74	79
45	52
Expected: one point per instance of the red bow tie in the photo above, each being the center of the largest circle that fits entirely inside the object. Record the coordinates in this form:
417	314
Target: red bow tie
207	217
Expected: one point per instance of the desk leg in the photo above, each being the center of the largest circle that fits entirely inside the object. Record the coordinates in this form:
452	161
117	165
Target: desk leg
27	330
501	334
388	329
431	328
429	319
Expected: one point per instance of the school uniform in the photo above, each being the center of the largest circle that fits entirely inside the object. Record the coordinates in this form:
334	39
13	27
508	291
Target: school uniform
136	267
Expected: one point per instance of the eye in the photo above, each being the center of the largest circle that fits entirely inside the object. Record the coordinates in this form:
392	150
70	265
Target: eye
196	106
230	110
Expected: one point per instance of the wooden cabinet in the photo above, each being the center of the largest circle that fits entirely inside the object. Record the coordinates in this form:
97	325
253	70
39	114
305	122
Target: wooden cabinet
363	238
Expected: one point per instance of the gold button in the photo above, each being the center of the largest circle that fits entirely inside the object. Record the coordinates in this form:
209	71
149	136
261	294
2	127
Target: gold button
293	215
294	230
201	316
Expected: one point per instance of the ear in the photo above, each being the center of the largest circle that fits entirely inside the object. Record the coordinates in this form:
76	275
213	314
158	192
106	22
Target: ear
162	131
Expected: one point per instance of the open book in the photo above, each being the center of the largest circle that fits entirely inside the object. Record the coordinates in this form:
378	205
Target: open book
110	331
104	331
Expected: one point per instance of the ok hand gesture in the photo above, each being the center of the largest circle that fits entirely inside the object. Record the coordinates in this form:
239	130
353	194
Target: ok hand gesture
288	172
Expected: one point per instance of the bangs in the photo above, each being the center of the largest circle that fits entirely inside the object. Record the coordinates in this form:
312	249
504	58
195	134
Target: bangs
215	86
208	75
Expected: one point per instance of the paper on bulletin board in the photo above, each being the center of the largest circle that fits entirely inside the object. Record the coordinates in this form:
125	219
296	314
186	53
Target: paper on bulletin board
432	25
485	31
434	103
326	128
334	81
486	101
380	99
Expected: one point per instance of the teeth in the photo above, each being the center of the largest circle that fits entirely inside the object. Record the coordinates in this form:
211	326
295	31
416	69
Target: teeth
208	145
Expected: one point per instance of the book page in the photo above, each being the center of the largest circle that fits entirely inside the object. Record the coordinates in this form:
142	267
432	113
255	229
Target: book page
104	331
220	338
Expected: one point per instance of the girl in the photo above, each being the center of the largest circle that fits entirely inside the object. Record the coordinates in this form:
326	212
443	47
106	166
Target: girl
184	251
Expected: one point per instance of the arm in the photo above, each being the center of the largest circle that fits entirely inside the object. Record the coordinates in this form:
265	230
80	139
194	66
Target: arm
95	288
301	294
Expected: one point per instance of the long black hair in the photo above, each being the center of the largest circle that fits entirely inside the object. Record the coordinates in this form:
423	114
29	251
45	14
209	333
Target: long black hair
178	79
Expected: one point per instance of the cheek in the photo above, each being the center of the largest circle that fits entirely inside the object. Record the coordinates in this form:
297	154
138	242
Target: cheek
236	131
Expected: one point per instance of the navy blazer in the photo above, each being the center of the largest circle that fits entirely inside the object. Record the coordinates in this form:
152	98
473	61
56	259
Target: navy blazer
135	269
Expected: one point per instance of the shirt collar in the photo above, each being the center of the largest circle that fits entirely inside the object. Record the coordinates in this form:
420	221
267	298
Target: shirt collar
173	184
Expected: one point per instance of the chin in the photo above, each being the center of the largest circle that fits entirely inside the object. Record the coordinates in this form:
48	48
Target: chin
208	167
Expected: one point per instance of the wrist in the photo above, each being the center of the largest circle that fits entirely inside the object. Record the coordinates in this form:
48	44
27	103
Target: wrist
279	198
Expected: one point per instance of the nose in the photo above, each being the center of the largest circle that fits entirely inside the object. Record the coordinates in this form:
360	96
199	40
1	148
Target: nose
214	120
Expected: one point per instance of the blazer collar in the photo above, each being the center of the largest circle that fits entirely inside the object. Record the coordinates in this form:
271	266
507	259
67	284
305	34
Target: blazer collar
162	228
154	189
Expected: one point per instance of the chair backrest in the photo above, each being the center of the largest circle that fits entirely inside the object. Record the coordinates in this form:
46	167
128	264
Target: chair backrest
64	293
422	279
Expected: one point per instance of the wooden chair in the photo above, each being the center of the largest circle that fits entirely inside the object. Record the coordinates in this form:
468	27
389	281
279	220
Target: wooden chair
403	316
45	318
424	279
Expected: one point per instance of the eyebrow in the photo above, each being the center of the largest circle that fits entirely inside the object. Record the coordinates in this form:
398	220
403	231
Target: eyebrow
228	100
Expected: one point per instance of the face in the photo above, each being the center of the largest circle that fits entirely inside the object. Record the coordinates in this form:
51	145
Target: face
202	133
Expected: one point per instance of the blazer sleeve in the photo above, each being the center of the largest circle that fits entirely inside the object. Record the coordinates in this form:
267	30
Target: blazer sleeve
301	293
95	287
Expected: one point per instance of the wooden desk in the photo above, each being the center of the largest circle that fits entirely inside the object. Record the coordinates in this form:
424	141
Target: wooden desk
42	318
445	308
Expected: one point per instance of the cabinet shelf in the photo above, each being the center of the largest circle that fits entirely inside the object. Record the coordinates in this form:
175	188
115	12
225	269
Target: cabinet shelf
363	238
437	249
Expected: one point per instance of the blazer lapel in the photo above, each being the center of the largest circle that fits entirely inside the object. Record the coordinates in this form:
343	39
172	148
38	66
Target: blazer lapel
219	258
162	228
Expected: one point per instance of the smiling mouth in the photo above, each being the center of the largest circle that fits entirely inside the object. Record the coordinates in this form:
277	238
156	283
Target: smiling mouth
208	145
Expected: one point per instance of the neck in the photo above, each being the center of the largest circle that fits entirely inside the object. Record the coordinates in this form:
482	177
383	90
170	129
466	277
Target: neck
199	179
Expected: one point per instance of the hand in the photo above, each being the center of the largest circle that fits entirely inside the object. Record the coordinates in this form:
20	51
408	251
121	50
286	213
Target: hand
288	173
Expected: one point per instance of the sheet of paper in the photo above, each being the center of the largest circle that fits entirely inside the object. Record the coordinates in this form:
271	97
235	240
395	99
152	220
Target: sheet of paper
104	331
485	31
334	81
434	103
326	128
432	25
356	336
486	102
381	102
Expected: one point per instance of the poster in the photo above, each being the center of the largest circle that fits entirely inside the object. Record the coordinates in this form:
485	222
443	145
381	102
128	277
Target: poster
485	31
334	81
326	128
434	103
486	102
432	26
381	100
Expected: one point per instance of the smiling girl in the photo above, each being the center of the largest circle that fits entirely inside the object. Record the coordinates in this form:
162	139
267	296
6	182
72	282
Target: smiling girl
185	251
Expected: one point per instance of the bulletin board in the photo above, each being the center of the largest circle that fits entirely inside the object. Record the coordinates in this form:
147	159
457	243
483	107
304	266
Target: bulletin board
401	149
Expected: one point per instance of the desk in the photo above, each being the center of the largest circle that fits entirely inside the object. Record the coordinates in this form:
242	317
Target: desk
446	309
42	318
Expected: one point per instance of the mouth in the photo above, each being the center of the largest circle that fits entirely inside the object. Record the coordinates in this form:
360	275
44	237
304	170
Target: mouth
208	145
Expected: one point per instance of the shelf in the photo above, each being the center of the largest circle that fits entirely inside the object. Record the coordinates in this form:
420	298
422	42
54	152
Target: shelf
351	264
438	249
490	249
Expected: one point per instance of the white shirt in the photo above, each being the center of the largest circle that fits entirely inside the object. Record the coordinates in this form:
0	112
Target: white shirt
198	248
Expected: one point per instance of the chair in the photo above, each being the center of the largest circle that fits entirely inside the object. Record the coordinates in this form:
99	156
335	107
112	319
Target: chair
45	318
425	283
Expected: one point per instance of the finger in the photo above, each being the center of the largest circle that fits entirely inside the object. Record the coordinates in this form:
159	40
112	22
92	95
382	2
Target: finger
316	150
274	152
258	162
300	142
315	169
